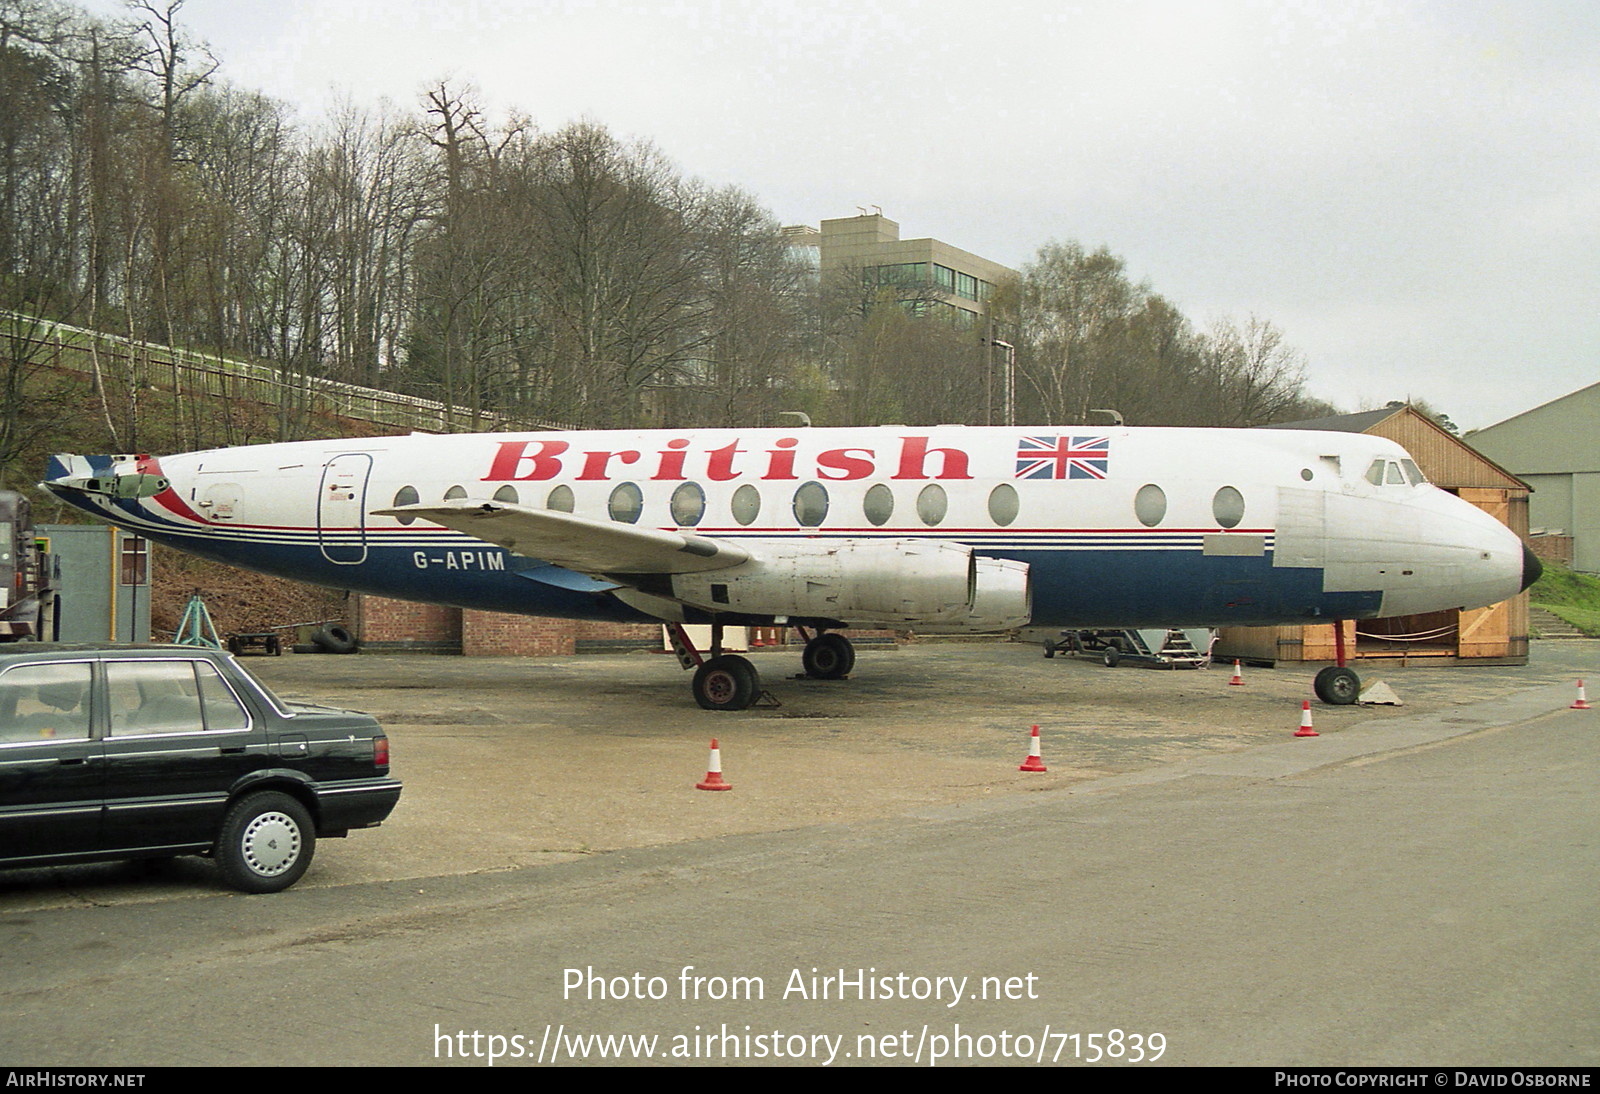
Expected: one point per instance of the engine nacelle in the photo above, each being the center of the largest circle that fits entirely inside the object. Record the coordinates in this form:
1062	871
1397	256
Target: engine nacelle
1002	601
908	582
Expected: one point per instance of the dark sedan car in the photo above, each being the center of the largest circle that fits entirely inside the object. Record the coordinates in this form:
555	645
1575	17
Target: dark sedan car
137	752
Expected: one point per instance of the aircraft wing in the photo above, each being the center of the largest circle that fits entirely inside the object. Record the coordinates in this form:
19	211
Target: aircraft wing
579	543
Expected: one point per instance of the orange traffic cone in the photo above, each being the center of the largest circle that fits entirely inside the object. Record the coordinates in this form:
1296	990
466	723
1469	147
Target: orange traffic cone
1582	701
1035	761
1305	729
714	772
1238	680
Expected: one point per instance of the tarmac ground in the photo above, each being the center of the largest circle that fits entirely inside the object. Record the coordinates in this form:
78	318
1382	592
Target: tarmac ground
511	762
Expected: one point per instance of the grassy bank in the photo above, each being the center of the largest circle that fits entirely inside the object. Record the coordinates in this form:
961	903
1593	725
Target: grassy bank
1572	596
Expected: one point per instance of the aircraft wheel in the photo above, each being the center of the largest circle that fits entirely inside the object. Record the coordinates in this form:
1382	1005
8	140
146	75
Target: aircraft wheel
1338	687
828	657
1111	657
726	683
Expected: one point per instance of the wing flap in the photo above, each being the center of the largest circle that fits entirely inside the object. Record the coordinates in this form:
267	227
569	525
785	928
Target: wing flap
578	543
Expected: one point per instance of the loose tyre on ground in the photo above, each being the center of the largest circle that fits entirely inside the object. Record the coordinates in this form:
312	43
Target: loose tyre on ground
334	639
266	843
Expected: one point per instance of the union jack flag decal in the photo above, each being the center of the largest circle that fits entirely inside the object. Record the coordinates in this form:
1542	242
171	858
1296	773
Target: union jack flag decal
1063	457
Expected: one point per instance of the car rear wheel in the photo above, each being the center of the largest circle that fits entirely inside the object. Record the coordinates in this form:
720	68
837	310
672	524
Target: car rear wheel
266	843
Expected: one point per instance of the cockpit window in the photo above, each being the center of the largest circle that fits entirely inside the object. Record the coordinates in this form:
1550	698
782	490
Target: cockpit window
1392	473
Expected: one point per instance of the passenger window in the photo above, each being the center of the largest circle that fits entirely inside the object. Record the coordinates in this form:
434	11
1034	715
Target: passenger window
932	504
626	503
1003	504
560	499
688	504
455	493
878	505
746	504
1228	507
153	697
45	703
406	495
508	494
1150	505
811	504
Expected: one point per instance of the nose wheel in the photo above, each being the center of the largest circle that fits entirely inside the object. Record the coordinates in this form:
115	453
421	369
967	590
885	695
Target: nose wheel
1338	687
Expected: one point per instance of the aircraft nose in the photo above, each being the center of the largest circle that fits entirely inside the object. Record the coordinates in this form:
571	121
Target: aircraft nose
1532	568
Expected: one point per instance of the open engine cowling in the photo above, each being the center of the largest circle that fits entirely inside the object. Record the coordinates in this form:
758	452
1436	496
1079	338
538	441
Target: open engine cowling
906	582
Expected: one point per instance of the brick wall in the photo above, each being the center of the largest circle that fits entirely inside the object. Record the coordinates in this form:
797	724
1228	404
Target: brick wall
384	625
495	634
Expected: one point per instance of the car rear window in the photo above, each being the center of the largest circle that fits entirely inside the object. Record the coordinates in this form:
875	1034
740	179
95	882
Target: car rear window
170	697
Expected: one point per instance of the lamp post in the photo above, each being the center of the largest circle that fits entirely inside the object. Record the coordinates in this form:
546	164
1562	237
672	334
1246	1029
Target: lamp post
1009	382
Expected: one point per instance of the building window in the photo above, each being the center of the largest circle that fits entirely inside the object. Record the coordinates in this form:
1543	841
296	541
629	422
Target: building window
135	560
901	273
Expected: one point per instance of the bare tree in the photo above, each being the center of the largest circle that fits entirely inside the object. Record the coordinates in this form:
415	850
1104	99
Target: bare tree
1254	376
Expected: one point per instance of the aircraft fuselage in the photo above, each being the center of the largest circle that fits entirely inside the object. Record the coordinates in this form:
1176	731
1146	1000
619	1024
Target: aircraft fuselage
1119	527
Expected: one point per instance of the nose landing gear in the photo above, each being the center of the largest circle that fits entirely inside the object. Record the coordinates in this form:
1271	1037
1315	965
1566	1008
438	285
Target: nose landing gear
1337	685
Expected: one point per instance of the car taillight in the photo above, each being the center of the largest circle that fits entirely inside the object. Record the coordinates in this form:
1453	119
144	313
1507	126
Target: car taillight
380	752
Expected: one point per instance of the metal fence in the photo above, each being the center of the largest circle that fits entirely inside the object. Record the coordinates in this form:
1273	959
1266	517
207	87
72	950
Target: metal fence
192	373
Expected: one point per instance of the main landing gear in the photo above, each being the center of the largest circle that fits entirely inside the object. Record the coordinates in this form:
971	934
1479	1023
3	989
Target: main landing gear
726	681
827	656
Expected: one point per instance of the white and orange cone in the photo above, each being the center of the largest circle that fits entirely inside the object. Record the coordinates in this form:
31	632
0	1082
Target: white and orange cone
1035	760
1582	701
714	772
1305	729
1238	680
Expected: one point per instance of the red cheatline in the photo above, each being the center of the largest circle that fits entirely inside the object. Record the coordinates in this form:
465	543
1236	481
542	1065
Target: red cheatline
1305	729
1035	761
714	772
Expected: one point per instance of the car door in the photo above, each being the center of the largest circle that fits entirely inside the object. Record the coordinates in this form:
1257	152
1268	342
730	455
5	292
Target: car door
178	739
51	767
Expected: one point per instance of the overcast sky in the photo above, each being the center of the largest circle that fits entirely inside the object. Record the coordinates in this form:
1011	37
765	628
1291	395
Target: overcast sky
1408	190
